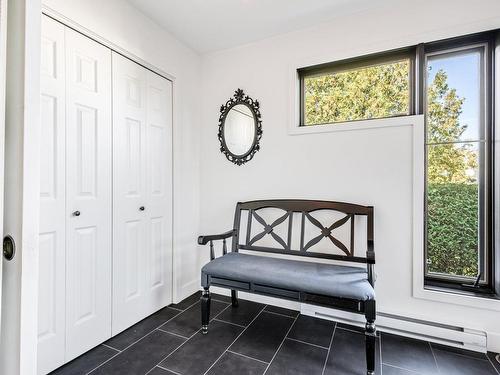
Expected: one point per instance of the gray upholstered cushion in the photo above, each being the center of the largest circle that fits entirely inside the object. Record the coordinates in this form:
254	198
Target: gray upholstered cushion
318	278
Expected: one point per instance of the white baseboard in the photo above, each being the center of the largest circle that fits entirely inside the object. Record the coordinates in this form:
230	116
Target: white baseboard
460	337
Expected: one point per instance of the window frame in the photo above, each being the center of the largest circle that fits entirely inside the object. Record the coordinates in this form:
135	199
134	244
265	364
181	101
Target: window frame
485	41
365	61
490	286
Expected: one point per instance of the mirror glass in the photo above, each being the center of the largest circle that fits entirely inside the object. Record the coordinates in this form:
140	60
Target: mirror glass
239	129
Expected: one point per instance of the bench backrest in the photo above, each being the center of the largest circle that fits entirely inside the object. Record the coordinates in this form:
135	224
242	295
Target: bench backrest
303	210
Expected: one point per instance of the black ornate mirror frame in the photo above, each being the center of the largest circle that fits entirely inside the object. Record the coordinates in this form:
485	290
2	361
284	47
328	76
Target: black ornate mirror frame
240	98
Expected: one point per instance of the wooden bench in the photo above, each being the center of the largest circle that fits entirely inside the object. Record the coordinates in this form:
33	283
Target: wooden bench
346	287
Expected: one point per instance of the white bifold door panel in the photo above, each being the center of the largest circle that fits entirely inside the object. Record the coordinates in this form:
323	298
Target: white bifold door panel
88	193
75	241
142	192
52	239
105	194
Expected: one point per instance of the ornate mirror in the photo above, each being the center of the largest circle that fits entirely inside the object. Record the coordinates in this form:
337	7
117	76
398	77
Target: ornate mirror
240	128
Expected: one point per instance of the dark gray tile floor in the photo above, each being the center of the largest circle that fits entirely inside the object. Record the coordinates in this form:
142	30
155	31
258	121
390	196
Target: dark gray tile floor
254	339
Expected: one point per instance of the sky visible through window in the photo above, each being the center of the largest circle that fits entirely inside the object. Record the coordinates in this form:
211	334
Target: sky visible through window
454	114
463	75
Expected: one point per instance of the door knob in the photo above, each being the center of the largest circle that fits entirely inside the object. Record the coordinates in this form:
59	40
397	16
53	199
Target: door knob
76	213
142	208
9	247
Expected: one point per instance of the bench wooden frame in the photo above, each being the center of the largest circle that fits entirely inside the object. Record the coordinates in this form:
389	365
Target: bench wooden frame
304	208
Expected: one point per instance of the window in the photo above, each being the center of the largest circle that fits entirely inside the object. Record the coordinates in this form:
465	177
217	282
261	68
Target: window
457	100
451	82
367	88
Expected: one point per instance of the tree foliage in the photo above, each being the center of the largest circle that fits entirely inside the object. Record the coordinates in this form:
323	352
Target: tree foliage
452	191
371	92
452	220
452	195
448	161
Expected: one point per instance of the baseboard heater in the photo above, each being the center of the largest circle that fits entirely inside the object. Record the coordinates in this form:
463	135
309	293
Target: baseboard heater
460	337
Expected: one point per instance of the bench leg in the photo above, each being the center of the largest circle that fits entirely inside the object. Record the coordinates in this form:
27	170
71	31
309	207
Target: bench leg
205	310
234	298
370	337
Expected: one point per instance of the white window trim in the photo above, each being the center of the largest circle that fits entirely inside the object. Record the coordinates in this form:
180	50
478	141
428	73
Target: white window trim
419	290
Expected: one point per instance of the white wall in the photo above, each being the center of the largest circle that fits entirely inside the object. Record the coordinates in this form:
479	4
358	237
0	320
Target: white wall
372	166
123	25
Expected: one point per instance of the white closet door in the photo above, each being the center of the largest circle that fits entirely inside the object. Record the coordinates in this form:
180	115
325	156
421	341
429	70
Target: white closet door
142	109
129	192
52	246
88	192
159	184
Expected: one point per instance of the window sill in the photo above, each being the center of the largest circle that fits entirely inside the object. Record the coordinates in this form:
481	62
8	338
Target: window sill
457	297
353	125
463	292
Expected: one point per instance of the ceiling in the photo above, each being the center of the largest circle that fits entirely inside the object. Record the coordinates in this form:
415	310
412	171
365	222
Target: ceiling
211	25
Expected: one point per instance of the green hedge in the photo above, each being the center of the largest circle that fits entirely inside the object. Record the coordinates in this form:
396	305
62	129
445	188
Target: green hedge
452	229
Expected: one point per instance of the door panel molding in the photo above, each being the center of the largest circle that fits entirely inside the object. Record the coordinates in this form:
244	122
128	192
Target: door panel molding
88	191
52	240
142	233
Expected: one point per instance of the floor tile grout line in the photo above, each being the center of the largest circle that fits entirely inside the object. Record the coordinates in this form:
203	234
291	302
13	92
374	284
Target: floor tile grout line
200	330
106	361
237	337
172	333
460	354
166	369
110	347
190	337
173	351
220	312
147	334
186	337
329	349
174	308
117	354
187	308
162	369
402	368
246	356
308	343
223	321
492	364
282	341
135	342
434	356
487	359
275	313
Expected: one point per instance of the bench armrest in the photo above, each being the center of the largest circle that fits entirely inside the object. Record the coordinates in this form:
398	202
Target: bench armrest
203	240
